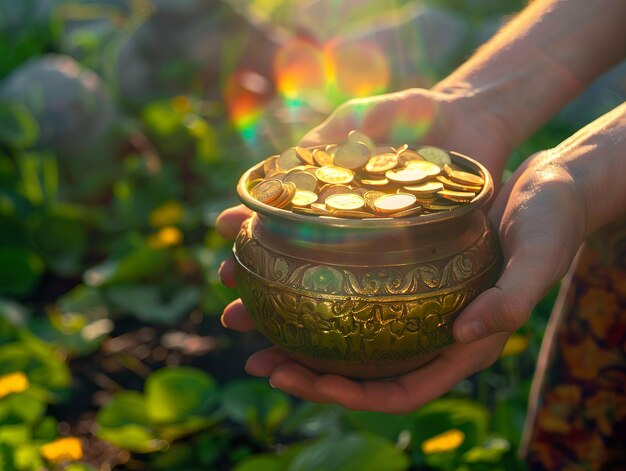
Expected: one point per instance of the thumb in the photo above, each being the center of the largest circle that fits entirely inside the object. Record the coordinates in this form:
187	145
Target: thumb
506	306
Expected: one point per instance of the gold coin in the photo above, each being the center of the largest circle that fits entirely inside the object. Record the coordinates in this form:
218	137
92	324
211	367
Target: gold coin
288	192
345	201
305	155
466	178
428	188
450	185
352	155
267	191
406	156
377	182
303	198
334	174
371	196
329	190
406	176
407	212
400	149
254	183
379	164
321	158
394	202
353	214
288	159
435	155
269	165
358	136
302	180
309	211
428	168
320	208
457	196
439	206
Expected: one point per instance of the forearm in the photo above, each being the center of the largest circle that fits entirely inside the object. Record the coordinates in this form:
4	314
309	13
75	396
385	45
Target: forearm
595	157
542	59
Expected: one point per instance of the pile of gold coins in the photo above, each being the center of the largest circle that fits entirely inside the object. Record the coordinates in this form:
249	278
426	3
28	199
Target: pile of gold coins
358	179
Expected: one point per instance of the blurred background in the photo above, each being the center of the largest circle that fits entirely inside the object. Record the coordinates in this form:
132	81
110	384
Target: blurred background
124	126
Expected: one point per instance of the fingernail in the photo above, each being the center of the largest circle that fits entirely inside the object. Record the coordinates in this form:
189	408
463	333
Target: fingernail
270	381
471	331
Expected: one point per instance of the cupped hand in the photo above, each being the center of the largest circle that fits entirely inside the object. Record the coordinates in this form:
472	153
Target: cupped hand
534	211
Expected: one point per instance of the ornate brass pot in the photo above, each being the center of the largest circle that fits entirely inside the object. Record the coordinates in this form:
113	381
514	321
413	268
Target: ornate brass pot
365	298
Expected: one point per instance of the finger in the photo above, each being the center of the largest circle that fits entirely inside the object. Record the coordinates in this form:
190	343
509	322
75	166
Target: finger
408	116
226	272
264	362
229	221
236	317
297	380
417	388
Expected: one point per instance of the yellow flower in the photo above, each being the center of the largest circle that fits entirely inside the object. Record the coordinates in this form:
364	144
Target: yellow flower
167	214
165	237
181	103
16	382
446	441
515	345
63	449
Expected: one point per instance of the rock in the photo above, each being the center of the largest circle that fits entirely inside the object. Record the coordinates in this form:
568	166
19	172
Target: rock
601	97
73	109
191	45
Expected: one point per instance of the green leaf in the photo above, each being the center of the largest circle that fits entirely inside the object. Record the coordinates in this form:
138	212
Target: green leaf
311	419
254	403
38	362
177	456
174	395
14	434
20	270
6	458
27	456
491	452
124	422
18	128
24	408
351	451
146	302
141	263
386	425
262	462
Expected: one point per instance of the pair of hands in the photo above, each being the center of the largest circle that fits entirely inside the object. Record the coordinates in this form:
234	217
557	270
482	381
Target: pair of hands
538	217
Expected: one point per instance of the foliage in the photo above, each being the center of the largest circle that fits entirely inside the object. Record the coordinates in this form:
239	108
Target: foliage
128	245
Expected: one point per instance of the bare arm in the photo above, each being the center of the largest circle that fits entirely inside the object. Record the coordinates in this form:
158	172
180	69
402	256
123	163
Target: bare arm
542	59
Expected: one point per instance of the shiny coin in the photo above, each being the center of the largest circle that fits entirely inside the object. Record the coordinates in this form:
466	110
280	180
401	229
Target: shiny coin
357	136
334	174
466	178
329	190
288	192
394	203
302	210
406	156
322	158
352	155
439	206
407	212
450	185
399	150
288	159
435	155
320	208
371	196
458	196
353	214
428	188
303	198
302	180
345	201
381	163
406	176
305	155
378	182
267	191
428	168
269	165
254	183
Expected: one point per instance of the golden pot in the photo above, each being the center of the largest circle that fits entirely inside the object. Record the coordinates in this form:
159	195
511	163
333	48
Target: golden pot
365	298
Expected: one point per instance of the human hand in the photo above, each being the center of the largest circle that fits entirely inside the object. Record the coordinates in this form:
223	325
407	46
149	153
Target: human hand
435	119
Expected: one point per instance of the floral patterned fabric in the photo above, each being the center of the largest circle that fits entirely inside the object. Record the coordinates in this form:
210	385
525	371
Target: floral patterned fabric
577	408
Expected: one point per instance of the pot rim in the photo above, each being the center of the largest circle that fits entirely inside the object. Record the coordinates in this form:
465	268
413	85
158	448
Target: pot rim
478	202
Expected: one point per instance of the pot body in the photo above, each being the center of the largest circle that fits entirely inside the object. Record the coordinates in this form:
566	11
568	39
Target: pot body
363	302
